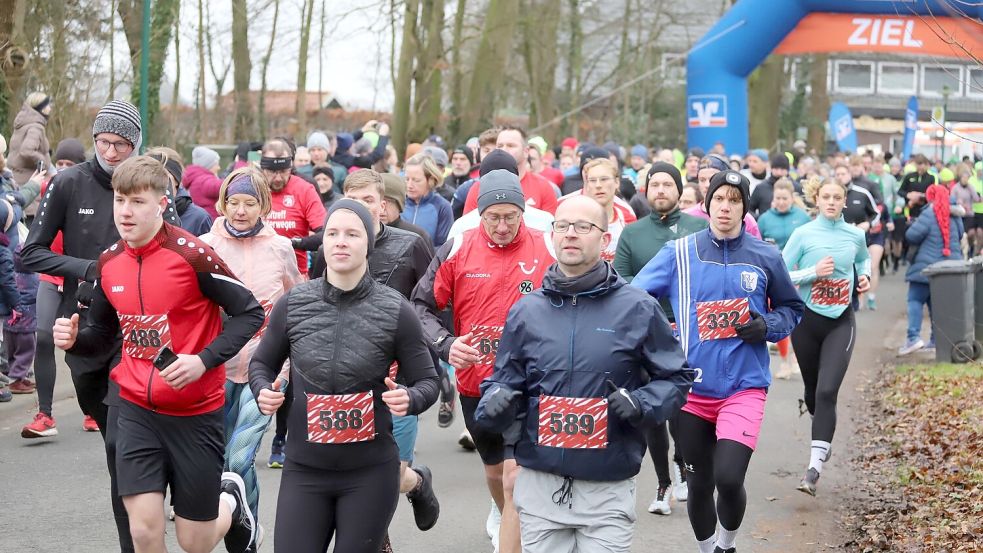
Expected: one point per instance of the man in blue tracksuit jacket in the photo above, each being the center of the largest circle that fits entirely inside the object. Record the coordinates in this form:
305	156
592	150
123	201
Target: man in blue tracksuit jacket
584	363
731	294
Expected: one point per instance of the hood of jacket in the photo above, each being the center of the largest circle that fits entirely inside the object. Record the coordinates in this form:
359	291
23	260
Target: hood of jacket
29	116
612	281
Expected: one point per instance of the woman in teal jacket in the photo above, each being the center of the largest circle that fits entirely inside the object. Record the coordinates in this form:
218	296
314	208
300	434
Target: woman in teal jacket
785	216
828	260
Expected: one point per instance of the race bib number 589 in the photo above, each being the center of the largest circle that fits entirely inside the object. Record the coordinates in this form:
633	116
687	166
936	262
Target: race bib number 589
340	418
716	319
573	423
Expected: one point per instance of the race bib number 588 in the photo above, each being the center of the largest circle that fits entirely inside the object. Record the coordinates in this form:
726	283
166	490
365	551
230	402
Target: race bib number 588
573	423
340	418
716	319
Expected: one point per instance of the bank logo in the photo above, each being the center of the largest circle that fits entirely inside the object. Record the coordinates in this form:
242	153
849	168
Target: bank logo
707	110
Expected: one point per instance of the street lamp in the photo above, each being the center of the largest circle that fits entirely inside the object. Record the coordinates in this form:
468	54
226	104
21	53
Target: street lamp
945	116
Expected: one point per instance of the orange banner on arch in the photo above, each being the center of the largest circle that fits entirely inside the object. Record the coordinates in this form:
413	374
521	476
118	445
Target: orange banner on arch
844	32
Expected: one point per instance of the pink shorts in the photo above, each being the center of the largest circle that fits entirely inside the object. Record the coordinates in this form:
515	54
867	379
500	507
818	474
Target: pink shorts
737	417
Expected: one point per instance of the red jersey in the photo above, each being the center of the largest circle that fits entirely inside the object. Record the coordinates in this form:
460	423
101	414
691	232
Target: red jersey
538	191
297	211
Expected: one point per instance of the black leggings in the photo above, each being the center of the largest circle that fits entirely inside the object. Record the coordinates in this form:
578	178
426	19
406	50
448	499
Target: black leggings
823	347
355	506
44	353
657	438
712	464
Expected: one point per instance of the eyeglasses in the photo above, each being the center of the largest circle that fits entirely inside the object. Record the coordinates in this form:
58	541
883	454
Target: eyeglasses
234	205
580	227
600	180
496	219
120	147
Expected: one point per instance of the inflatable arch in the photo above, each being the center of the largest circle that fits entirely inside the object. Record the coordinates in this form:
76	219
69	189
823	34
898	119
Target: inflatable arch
718	65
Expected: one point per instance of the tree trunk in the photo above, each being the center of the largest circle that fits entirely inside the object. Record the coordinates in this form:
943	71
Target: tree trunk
305	40
404	78
491	61
220	76
12	43
428	76
263	122
764	101
575	59
112	49
320	57
539	51
201	110
818	104
457	72
176	91
243	67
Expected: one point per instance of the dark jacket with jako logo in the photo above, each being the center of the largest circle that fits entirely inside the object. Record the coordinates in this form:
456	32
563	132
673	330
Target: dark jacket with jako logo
570	345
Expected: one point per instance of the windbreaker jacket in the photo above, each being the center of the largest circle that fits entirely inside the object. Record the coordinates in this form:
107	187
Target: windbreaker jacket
569	345
482	281
924	233
204	186
433	213
169	293
266	265
701	268
777	227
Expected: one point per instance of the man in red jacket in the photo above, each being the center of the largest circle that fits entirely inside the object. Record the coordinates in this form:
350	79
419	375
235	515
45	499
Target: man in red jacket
164	291
538	191
483	272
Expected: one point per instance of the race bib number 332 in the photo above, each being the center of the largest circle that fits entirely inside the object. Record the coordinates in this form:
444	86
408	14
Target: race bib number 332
573	423
716	319
340	418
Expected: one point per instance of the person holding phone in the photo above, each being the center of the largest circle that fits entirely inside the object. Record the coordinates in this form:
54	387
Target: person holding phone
162	289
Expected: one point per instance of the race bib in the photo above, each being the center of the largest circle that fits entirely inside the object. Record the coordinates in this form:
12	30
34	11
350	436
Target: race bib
341	418
831	291
486	339
144	335
716	319
573	423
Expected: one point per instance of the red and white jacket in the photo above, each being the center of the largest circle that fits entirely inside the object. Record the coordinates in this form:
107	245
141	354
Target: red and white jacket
169	293
481	280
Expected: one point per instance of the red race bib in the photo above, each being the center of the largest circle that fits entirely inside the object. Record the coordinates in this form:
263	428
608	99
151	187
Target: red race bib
485	340
144	335
340	419
716	319
831	291
573	422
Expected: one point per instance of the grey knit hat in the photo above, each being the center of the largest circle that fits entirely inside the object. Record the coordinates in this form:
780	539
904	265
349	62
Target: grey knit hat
119	117
318	139
204	157
500	187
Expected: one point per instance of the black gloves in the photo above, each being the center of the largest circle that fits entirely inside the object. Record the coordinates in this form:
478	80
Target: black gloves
85	293
623	404
499	399
754	330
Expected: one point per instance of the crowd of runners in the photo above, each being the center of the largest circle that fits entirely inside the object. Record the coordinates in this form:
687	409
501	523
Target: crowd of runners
578	306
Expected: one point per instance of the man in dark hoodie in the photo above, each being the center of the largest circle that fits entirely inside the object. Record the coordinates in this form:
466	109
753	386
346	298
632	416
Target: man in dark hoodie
763	193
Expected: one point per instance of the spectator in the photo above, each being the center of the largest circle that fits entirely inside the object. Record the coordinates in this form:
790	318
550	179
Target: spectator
29	145
194	218
19	330
201	179
302	162
324	177
424	207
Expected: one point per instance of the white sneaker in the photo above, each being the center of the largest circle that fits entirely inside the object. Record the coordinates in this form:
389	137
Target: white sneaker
493	524
660	505
910	346
680	490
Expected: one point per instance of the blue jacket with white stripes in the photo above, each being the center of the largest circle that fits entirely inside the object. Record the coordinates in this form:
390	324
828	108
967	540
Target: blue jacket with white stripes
700	268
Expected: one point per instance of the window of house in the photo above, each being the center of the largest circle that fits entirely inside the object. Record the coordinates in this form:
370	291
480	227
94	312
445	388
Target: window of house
974	82
853	76
935	78
896	78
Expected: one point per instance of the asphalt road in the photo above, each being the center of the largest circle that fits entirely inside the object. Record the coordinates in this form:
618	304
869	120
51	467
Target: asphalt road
54	493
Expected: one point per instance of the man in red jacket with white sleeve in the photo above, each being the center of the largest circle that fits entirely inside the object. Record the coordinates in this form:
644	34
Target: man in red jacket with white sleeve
164	291
482	273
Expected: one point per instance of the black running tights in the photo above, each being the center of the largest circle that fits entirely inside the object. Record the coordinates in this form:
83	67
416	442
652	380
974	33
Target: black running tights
823	347
657	438
712	465
352	506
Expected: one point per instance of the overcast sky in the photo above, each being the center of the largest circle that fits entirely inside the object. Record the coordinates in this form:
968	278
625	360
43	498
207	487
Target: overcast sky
355	59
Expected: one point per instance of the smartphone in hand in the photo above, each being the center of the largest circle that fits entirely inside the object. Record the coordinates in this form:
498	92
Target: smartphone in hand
164	359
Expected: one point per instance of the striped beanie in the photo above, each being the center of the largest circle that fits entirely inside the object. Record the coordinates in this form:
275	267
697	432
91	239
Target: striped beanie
119	117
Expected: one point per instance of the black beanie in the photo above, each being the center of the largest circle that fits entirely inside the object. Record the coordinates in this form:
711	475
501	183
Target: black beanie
779	162
463	149
591	154
663	167
358	208
70	149
498	159
729	178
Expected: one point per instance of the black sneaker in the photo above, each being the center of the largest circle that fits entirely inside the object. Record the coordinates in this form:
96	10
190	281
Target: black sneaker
426	508
242	531
809	481
445	415
719	549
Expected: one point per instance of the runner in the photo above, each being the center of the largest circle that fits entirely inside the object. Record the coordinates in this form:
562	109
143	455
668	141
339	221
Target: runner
77	205
710	166
341	333
264	262
639	243
877	231
730	294
581	443
483	272
538	191
601	183
167	290
826	257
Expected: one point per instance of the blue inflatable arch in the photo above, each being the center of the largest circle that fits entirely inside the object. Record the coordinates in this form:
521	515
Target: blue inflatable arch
718	65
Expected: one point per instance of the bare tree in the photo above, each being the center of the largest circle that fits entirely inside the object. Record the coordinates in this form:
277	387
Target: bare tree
765	88
404	77
305	40
263	122
539	41
492	57
243	68
818	103
574	63
457	70
162	15
429	66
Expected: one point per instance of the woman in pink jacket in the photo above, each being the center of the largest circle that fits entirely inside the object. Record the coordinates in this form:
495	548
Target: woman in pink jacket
265	263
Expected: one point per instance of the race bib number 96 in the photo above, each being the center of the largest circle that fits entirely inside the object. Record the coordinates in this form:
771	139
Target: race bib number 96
341	418
831	291
716	319
573	423
144	335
